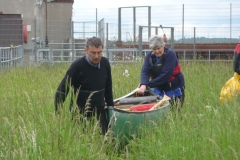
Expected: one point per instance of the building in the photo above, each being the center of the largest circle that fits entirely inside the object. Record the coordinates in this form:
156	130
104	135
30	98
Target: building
50	20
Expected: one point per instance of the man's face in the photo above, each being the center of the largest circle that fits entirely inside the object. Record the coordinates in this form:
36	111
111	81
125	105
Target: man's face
94	54
158	51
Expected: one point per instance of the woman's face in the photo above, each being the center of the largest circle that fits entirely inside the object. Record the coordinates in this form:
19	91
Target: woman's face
158	51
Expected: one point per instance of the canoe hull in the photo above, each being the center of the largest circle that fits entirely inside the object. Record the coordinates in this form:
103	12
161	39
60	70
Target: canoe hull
124	123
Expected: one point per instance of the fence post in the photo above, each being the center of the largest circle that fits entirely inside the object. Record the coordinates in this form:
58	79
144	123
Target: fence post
172	37
96	22
119	25
149	22
194	42
107	40
156	31
183	24
72	36
11	55
184	55
209	55
134	24
230	22
35	39
62	54
0	58
140	41
22	54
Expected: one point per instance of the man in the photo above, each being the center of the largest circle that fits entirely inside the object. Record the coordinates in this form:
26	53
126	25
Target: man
91	79
161	71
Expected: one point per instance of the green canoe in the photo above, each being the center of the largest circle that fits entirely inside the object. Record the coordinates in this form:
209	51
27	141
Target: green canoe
125	123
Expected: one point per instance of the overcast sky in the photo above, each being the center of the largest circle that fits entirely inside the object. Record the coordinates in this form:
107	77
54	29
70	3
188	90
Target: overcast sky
126	3
197	13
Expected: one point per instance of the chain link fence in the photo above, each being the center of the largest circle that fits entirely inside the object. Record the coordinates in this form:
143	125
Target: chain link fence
214	25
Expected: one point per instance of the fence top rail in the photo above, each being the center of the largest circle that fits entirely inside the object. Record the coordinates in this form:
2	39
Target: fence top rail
10	47
218	50
123	49
66	43
134	6
156	26
223	50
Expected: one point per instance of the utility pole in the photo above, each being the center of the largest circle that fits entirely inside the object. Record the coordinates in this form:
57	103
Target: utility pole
46	38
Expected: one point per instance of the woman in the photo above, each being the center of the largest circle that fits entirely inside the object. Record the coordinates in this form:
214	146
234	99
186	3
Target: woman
162	72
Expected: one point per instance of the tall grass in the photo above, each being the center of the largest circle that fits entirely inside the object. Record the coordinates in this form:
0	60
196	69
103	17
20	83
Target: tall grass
29	129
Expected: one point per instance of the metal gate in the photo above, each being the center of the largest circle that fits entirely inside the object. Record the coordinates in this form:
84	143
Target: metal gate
101	31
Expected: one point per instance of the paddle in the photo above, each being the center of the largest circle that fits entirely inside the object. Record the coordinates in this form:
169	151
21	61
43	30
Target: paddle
160	103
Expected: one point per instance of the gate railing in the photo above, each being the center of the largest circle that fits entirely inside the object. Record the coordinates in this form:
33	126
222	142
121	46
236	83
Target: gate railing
11	56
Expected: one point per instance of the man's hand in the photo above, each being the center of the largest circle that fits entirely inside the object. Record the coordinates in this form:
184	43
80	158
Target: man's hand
142	89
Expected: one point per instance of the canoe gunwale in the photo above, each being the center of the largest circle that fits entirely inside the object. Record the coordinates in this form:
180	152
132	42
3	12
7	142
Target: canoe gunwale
150	92
139	112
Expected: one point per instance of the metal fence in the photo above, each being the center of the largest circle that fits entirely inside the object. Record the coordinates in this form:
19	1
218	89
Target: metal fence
63	41
132	54
11	57
223	20
74	47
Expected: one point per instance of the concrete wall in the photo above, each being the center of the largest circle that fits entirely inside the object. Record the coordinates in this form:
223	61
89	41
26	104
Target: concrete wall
58	16
53	18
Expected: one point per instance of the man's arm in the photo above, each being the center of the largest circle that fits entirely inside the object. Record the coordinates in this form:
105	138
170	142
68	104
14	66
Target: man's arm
108	88
61	93
63	88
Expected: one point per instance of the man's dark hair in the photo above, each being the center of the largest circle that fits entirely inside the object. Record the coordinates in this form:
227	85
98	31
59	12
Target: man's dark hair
94	41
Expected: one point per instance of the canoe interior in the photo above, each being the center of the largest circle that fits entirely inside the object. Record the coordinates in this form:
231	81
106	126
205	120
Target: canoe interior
133	98
135	94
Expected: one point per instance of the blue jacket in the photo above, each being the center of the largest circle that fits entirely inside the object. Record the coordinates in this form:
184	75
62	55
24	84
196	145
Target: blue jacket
170	61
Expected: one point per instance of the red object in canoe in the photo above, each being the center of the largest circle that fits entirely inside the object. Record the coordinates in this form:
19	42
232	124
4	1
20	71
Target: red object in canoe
142	107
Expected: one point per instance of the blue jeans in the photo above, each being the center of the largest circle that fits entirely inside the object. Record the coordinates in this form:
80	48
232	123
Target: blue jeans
175	95
172	94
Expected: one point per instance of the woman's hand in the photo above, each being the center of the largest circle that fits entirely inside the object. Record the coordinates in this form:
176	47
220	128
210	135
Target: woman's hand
142	89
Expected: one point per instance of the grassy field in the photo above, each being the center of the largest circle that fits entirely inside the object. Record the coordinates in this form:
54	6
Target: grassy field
204	129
